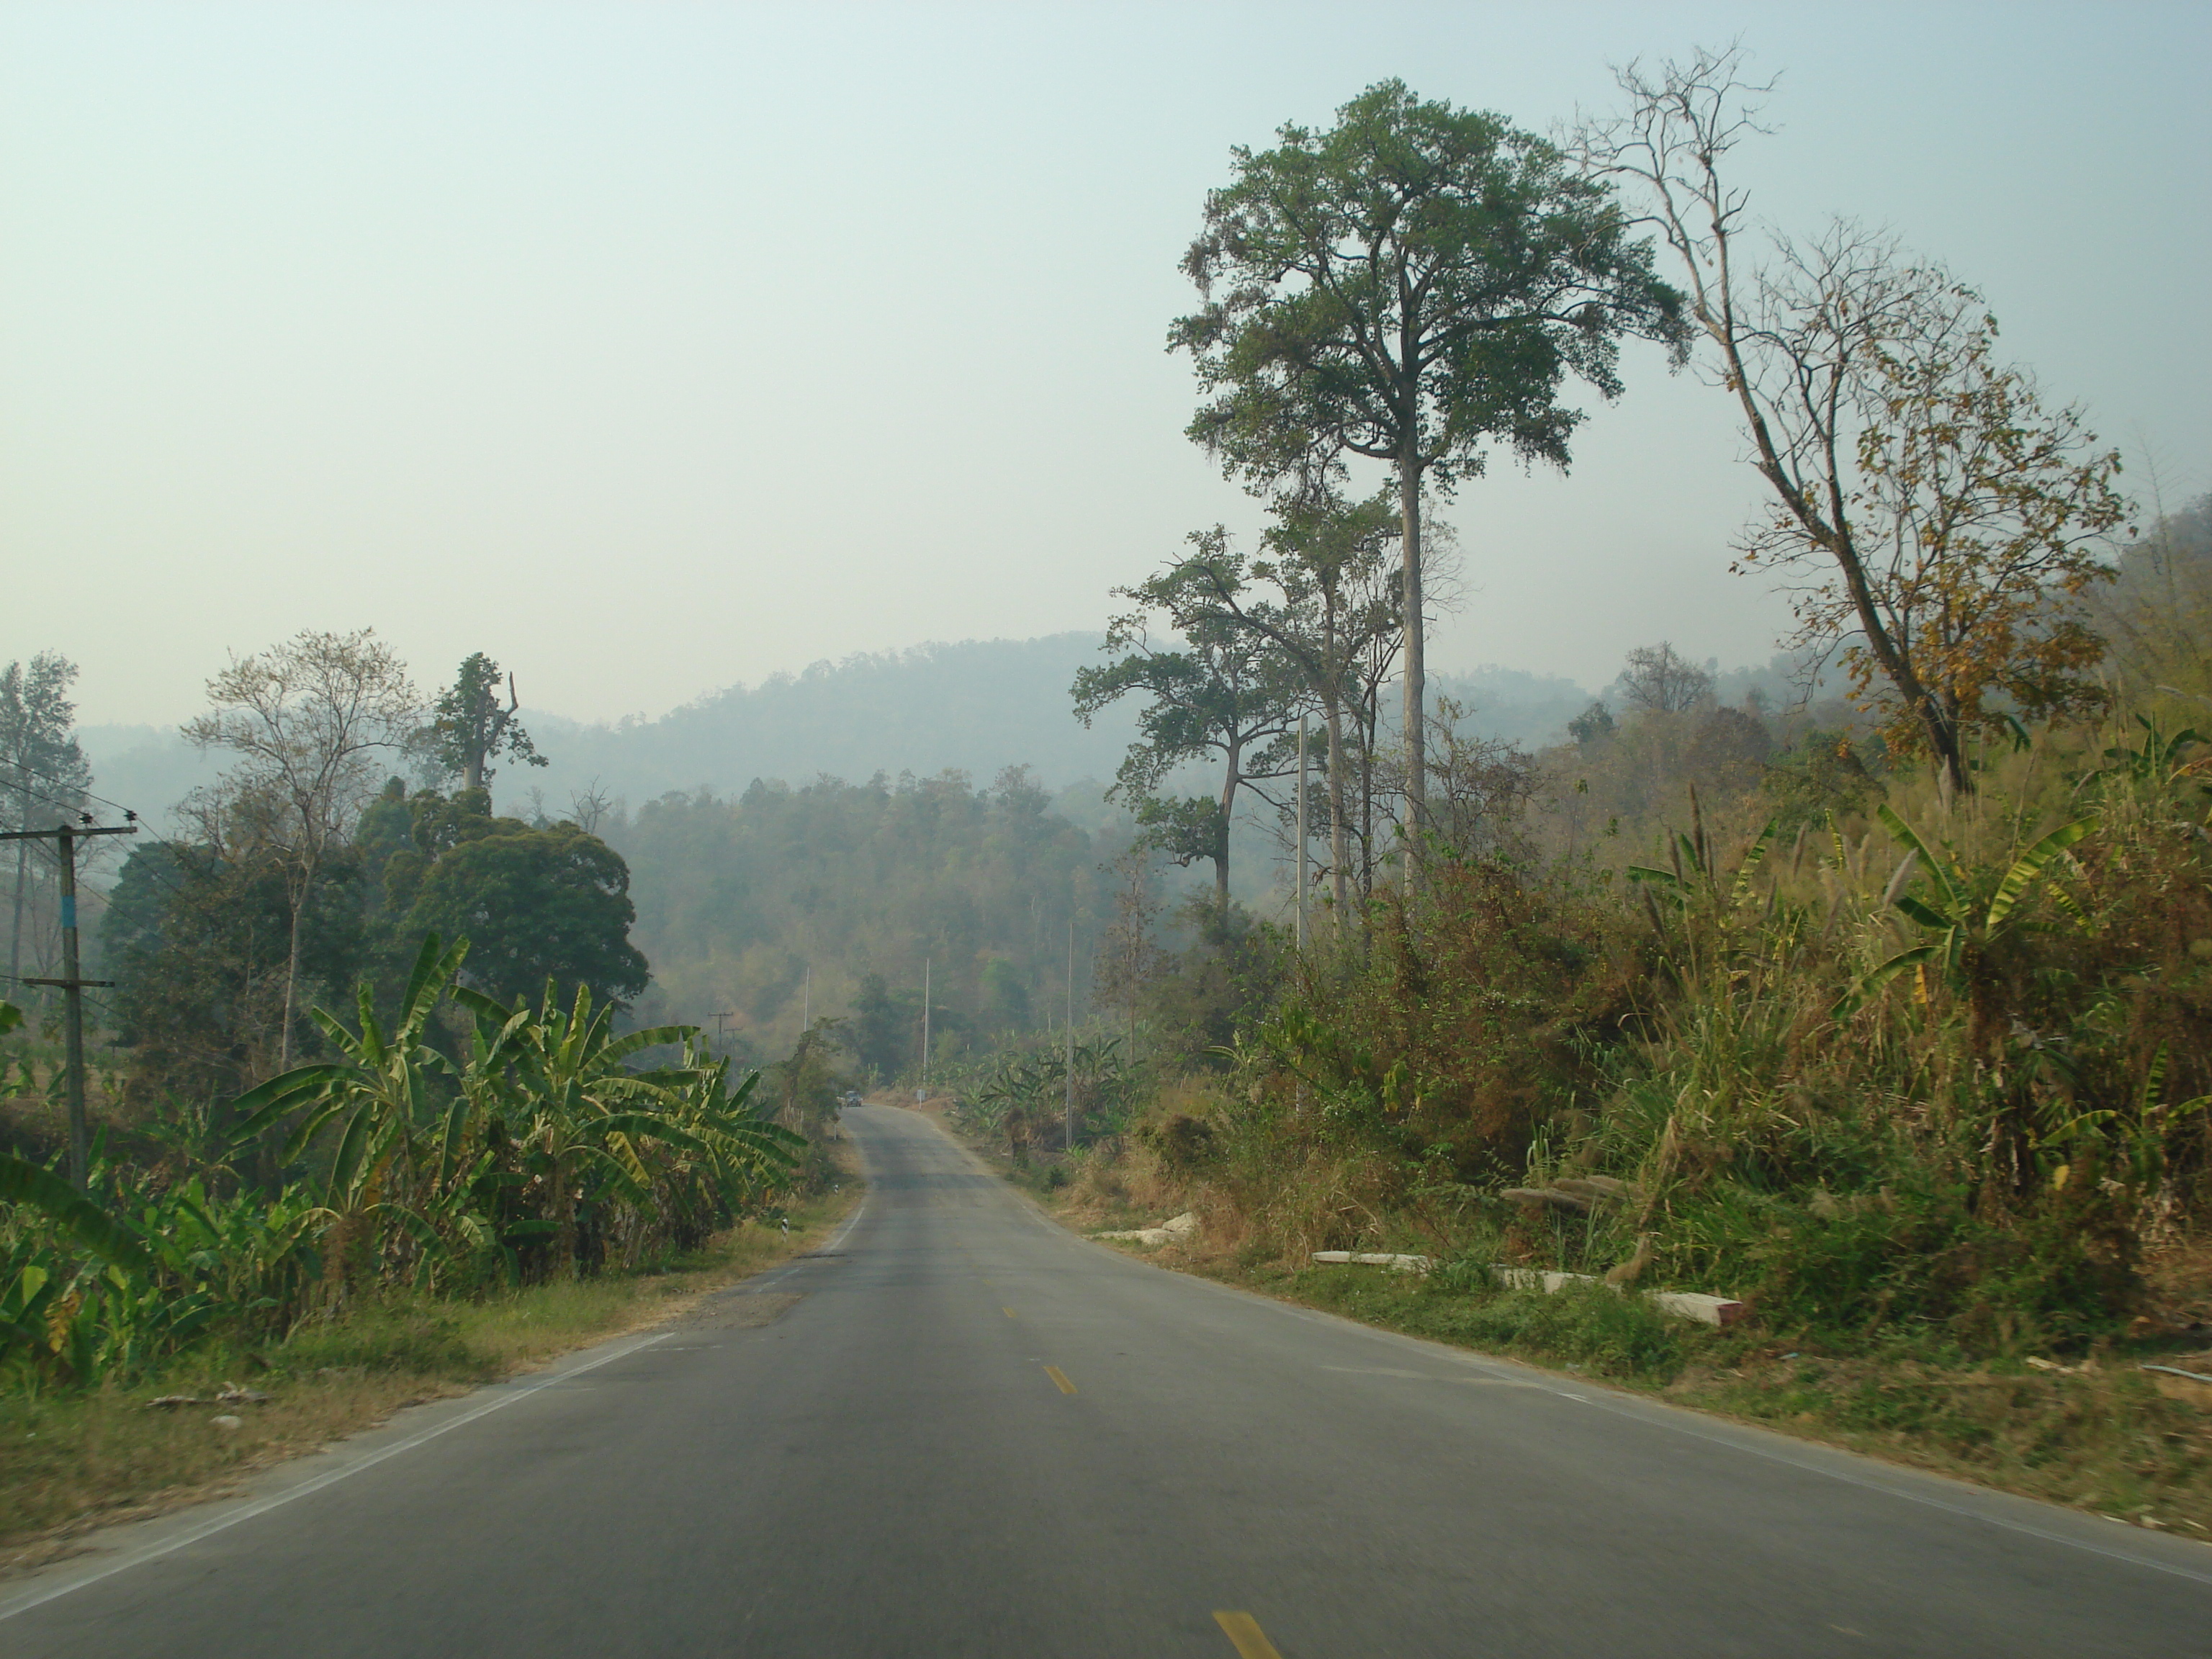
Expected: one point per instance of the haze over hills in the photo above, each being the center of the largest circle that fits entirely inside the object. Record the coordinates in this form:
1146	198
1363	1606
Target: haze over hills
976	706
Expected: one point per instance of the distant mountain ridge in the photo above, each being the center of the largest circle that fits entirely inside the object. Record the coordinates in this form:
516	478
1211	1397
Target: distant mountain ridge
973	705
976	706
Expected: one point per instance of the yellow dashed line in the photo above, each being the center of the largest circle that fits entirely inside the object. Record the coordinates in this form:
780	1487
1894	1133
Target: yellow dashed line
1246	1636
1059	1377
1009	1312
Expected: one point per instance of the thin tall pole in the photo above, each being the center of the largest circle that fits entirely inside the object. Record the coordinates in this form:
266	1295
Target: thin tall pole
1302	834
806	1002
924	1025
72	989
1070	1131
80	1143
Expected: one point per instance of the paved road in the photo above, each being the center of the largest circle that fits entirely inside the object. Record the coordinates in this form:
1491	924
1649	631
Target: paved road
968	1433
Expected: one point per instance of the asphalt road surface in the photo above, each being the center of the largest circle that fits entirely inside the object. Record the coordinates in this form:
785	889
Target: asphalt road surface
957	1430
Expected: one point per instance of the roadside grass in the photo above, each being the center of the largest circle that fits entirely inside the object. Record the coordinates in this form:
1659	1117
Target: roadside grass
2104	1438
2101	1435
72	1462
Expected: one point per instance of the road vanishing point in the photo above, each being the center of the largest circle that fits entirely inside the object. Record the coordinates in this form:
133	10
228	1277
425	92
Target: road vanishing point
957	1429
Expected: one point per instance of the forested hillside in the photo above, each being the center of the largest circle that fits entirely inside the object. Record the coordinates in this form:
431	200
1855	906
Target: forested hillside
833	897
1878	1007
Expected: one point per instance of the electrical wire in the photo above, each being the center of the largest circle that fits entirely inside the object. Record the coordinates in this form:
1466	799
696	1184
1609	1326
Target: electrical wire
131	815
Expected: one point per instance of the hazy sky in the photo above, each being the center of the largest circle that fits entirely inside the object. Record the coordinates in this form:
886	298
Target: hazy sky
651	347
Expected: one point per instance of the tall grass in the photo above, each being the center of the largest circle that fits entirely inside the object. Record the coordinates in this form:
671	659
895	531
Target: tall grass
1925	1068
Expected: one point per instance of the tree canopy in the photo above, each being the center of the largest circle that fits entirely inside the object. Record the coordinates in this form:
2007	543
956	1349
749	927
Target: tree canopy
469	729
1411	286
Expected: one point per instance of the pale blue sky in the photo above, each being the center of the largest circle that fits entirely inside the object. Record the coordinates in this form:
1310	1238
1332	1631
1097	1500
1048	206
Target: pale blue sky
653	347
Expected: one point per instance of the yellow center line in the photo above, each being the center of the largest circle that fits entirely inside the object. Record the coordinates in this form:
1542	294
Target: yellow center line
1245	1635
1059	1377
1009	1312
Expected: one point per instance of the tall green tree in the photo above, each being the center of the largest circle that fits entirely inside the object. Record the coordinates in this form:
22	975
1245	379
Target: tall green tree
1411	286
469	728
535	905
1224	691
1336	616
43	773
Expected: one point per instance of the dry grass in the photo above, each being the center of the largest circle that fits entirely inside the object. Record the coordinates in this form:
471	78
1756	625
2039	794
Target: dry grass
2104	1437
2113	1439
71	1463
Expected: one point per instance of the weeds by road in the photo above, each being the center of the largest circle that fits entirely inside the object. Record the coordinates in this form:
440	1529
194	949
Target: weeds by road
2097	1433
72	1462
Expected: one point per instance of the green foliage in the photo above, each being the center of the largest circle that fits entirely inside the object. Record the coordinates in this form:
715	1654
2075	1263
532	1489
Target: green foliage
197	934
548	1149
536	905
1408	285
1955	1101
1024	1097
1226	692
469	729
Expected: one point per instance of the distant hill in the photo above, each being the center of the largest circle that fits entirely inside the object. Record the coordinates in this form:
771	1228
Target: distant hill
976	706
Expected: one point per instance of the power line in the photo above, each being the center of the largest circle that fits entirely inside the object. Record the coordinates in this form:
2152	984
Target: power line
129	814
59	781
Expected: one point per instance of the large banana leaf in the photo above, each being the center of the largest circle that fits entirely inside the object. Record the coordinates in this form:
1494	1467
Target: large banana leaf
1938	869
24	1182
2029	865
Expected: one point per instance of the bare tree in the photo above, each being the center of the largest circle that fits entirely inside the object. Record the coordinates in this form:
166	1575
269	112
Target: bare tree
1128	959
43	773
1481	788
1949	516
307	719
588	806
1658	678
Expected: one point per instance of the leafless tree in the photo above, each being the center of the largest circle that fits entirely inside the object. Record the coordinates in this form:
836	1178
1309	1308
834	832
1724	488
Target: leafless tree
588	806
1918	481
307	719
1658	678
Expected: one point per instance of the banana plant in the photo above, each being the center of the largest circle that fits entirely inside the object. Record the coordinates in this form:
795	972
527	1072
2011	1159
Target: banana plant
54	1301
581	1113
373	1108
1962	925
2159	761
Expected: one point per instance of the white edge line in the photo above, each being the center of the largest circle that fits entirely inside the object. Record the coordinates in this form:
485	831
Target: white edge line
1660	1418
1656	1415
139	1558
278	1500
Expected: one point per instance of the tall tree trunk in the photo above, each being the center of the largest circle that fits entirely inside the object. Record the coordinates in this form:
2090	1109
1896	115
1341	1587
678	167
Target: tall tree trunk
1332	705
1340	831
1228	807
291	983
1370	722
299	899
1417	778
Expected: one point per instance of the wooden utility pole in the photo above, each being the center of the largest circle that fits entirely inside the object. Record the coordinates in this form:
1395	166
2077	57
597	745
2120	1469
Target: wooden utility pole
925	1028
65	839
